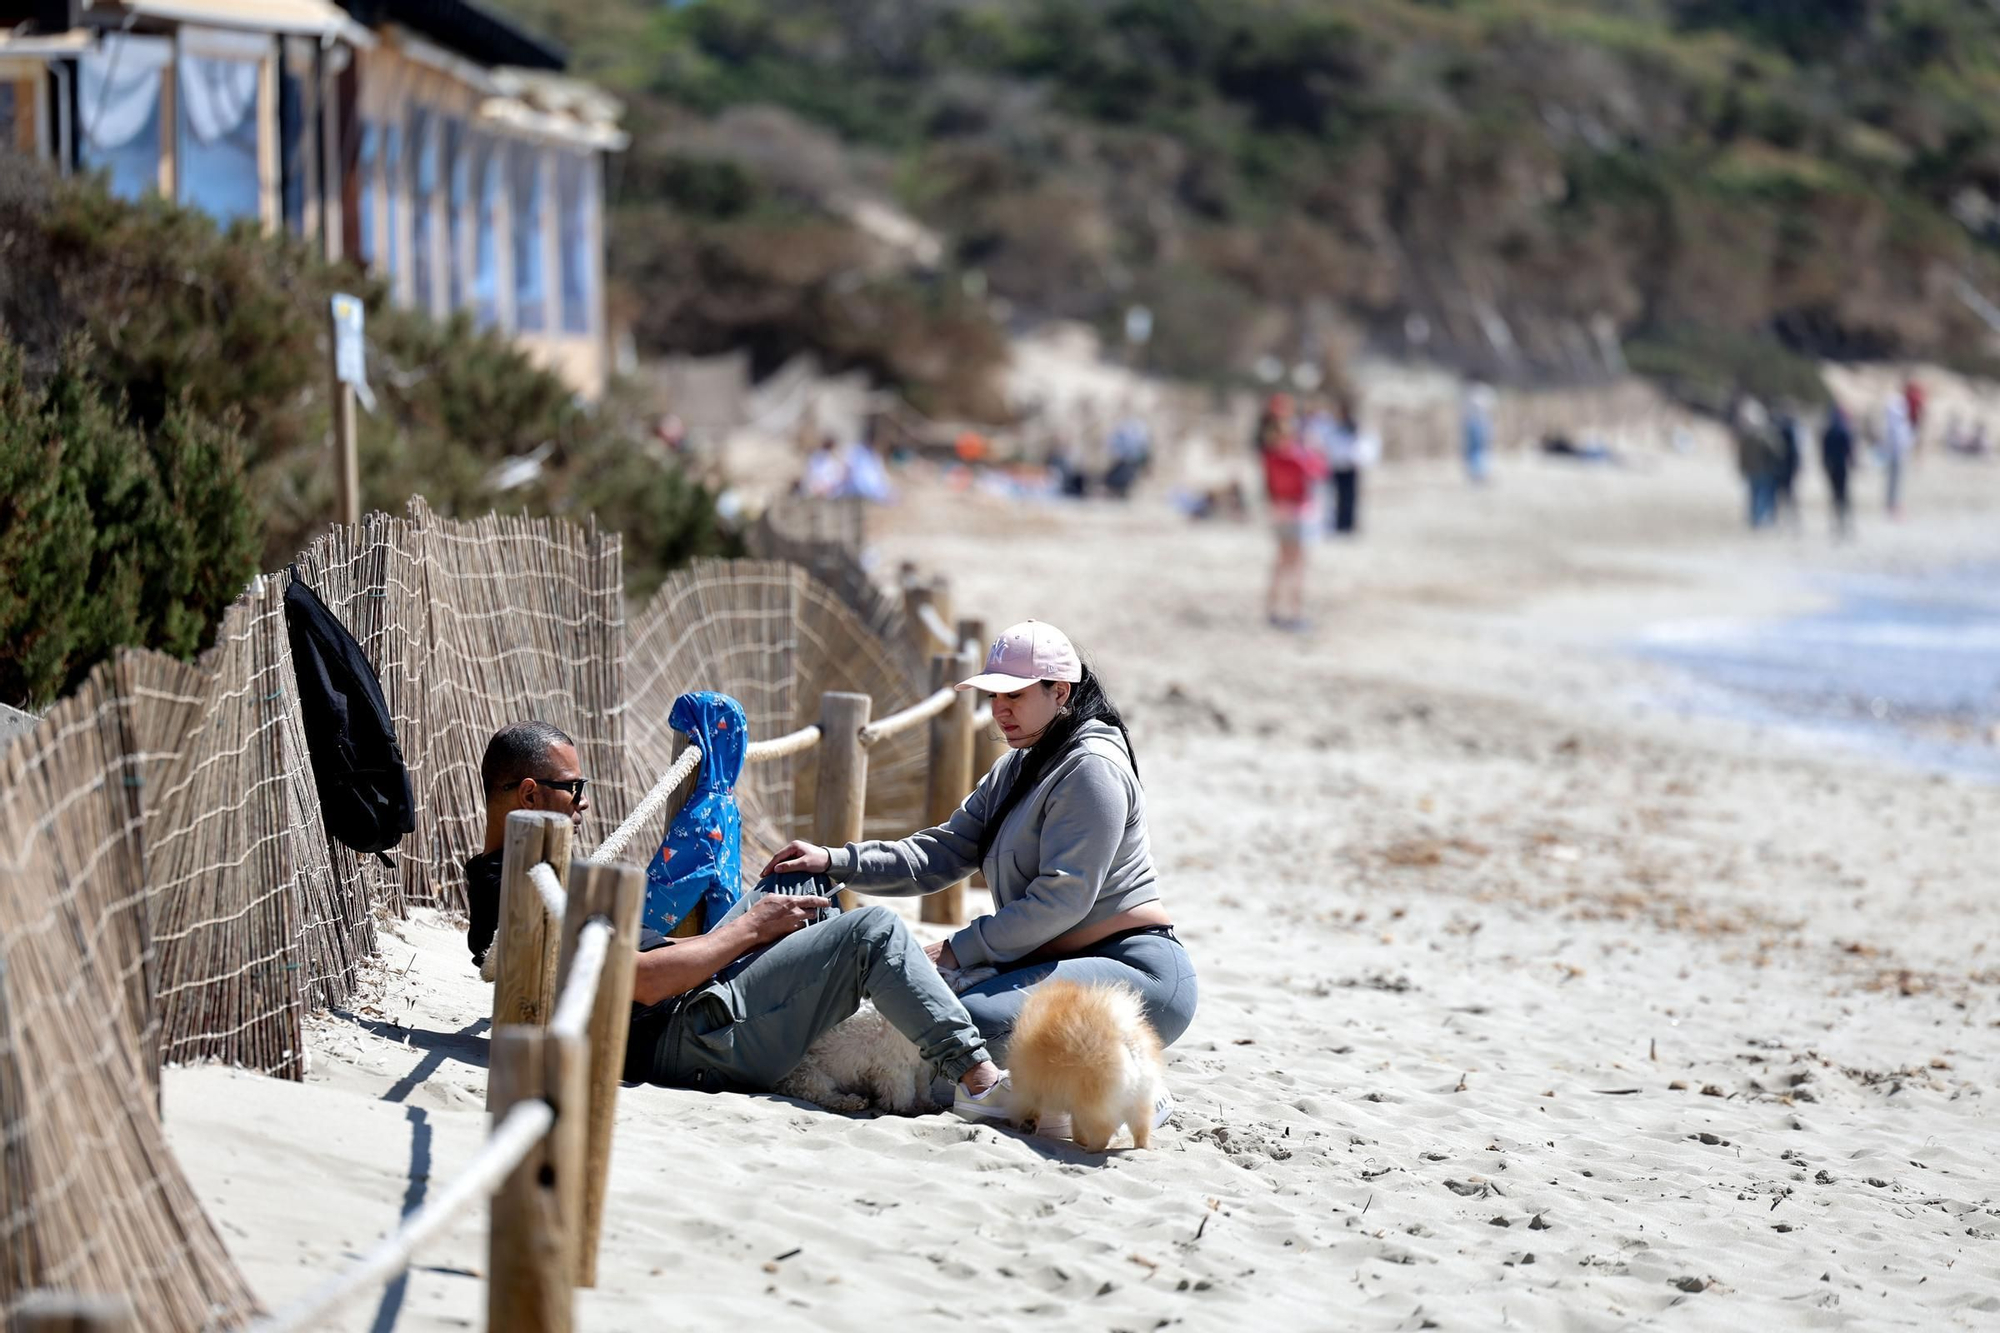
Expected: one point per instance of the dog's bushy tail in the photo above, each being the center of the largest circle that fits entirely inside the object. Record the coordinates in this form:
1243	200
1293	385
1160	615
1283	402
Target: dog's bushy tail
1076	1046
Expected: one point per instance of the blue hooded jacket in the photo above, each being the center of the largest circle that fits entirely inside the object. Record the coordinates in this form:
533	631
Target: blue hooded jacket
701	858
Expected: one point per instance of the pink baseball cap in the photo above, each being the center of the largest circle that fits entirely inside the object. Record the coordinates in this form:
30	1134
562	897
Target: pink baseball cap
1024	654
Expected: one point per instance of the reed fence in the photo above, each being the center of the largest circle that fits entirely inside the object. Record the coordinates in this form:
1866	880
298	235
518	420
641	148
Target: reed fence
168	892
91	1199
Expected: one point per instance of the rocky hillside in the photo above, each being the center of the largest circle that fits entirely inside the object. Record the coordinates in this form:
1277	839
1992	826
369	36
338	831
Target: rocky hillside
1712	191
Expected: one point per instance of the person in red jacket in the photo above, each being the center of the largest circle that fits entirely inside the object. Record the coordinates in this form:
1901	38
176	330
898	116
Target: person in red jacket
1292	474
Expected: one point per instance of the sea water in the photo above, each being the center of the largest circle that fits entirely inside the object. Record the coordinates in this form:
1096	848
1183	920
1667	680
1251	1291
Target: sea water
1906	667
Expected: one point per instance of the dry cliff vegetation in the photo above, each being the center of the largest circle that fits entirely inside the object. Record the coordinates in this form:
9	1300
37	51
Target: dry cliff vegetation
1720	186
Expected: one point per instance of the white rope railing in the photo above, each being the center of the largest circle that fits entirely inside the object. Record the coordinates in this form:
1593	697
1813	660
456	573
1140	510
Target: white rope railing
983	719
644	813
511	1141
554	901
779	747
915	715
586	967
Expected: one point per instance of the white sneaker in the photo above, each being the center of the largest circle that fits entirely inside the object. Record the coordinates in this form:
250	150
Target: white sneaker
996	1104
1058	1126
1053	1126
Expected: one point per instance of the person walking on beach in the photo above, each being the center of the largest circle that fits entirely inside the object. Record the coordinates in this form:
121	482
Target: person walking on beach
1785	502
1836	455
1291	474
825	473
1058	827
1899	439
1478	430
734	1008
1759	458
1349	450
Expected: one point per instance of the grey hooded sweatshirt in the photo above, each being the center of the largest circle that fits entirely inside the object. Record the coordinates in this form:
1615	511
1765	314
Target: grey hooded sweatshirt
1073	852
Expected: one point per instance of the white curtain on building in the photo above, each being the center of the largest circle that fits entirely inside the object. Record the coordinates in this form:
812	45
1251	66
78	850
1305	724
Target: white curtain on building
118	105
217	96
218	135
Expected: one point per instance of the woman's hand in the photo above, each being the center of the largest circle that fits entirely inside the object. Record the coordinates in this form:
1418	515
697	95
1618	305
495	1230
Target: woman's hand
940	954
797	857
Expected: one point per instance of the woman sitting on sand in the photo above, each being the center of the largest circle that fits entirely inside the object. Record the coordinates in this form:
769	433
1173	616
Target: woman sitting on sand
1059	829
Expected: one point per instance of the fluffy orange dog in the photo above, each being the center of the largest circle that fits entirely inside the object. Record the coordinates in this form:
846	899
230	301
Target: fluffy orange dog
1088	1052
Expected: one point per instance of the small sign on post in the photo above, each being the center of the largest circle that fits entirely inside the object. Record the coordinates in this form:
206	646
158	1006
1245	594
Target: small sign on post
350	380
350	362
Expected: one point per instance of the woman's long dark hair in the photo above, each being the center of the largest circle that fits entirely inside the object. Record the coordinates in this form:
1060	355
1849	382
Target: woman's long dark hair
1087	703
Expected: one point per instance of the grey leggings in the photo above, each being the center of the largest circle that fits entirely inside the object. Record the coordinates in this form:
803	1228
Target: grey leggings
1154	965
745	1033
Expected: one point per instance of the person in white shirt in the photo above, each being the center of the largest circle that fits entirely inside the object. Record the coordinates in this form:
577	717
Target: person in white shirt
1899	438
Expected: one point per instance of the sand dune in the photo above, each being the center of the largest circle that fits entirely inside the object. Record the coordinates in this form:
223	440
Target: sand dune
1526	1002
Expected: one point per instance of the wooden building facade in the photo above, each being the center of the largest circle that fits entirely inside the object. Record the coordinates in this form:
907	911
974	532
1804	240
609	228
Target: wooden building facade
431	141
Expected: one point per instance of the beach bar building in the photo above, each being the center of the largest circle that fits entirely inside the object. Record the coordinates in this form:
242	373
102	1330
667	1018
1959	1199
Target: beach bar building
433	142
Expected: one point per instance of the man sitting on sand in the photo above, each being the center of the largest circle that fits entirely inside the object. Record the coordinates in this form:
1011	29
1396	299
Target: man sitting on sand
734	1008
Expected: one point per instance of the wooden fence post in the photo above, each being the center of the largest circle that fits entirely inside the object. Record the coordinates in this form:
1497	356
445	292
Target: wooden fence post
557	833
72	1312
972	630
841	798
524	989
951	770
523	936
616	891
678	797
941	603
917	596
989	747
531	1255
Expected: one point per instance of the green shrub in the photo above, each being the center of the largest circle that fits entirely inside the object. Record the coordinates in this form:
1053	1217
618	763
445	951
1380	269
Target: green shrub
110	534
191	423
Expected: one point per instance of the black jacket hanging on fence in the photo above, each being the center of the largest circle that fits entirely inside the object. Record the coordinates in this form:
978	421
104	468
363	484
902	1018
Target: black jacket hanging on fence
364	789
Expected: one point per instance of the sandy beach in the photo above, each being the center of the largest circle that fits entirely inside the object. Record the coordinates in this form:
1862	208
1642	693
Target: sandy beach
1533	996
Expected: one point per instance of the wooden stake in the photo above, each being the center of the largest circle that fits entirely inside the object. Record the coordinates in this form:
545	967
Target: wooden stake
520	993
989	747
972	630
917	596
679	795
842	795
71	1312
531	1254
557	833
941	603
617	892
347	462
951	771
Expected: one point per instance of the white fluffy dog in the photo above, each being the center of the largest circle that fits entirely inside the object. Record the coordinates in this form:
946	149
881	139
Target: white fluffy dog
863	1062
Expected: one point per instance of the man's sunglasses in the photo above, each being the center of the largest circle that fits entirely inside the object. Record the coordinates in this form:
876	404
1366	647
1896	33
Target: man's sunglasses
574	786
